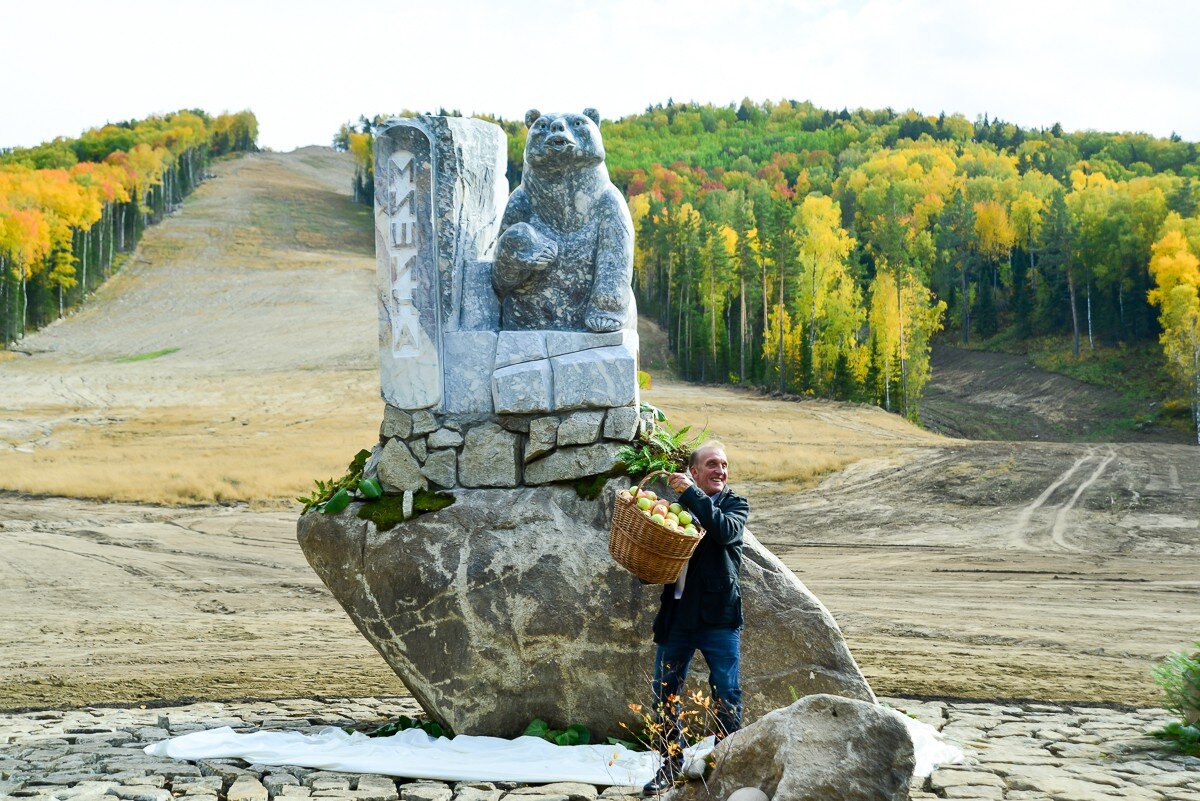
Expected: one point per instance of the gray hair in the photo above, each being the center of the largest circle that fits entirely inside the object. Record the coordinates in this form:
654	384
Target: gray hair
710	445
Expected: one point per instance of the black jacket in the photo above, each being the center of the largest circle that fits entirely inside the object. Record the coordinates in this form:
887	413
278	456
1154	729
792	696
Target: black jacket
712	593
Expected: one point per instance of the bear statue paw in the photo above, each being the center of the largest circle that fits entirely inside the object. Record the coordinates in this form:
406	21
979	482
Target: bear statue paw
602	322
524	251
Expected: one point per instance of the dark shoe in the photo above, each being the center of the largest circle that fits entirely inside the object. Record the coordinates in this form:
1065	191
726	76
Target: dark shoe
666	777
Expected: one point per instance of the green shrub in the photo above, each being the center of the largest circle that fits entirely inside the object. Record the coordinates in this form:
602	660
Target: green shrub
661	448
1179	677
404	722
575	734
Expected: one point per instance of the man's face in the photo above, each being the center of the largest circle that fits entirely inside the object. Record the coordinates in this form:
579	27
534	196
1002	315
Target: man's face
711	470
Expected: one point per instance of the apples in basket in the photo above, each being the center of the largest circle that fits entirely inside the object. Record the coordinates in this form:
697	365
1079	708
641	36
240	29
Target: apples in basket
657	510
651	537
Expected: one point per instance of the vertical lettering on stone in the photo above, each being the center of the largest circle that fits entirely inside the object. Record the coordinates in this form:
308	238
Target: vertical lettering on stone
406	323
410	336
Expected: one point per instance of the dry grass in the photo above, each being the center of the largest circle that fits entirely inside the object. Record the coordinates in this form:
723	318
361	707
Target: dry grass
227	450
230	447
794	442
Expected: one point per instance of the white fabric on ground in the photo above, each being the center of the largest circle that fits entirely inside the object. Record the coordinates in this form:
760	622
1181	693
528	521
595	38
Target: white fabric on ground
930	748
414	754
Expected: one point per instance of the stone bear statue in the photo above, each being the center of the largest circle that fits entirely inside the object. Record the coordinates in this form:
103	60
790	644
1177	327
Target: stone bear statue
564	260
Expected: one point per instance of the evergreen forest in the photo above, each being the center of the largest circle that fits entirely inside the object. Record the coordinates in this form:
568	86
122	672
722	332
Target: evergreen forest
819	252
71	209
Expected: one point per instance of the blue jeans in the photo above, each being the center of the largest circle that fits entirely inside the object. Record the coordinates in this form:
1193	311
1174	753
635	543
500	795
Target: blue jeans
721	649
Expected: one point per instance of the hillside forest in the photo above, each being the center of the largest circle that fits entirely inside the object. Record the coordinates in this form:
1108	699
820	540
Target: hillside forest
72	209
818	252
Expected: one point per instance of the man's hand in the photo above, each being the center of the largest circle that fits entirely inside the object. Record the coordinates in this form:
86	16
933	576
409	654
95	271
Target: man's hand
679	482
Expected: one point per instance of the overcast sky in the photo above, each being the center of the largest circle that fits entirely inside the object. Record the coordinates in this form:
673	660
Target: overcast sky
304	67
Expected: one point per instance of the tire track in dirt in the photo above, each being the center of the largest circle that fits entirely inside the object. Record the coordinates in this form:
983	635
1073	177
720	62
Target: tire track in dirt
1017	533
1058	530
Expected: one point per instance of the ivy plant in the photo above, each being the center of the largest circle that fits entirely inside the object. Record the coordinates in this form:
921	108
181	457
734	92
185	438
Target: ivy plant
575	734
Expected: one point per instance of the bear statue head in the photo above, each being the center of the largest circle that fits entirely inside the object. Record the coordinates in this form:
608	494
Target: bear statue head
563	142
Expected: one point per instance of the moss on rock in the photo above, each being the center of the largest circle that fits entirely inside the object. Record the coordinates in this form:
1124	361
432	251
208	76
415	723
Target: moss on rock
430	501
388	512
590	487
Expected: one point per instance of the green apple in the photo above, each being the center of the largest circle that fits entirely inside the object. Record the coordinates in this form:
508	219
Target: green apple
684	518
676	508
658	518
644	503
690	530
672	517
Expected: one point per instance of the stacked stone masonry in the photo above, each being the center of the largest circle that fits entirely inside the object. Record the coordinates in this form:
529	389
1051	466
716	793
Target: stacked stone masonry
1026	752
424	450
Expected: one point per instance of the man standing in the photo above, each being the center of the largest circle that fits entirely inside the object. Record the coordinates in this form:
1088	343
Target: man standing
702	610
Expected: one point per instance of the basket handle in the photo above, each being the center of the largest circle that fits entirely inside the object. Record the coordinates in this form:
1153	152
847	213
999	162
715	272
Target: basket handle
651	475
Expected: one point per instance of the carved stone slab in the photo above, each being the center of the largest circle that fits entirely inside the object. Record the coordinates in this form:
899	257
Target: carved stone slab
439	193
546	371
447	357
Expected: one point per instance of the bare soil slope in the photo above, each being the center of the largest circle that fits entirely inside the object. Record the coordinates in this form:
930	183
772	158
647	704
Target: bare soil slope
1002	396
258	294
1057	572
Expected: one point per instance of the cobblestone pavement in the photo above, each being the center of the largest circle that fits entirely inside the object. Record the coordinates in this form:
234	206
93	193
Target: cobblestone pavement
1019	752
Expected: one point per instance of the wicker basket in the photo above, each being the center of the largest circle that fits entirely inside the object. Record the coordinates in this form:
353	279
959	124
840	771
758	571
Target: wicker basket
648	550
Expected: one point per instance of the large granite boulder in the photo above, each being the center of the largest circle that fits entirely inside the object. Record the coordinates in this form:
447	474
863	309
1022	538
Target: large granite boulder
820	748
506	606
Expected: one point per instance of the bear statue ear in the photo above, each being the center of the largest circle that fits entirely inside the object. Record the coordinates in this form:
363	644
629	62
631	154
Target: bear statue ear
531	117
592	114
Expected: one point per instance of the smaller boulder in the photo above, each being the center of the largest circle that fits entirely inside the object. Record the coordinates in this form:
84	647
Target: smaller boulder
621	423
396	423
441	468
543	435
444	438
424	422
819	748
748	794
568	464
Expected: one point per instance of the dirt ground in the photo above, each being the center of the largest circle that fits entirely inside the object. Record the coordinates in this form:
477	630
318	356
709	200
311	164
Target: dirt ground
972	569
1002	396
